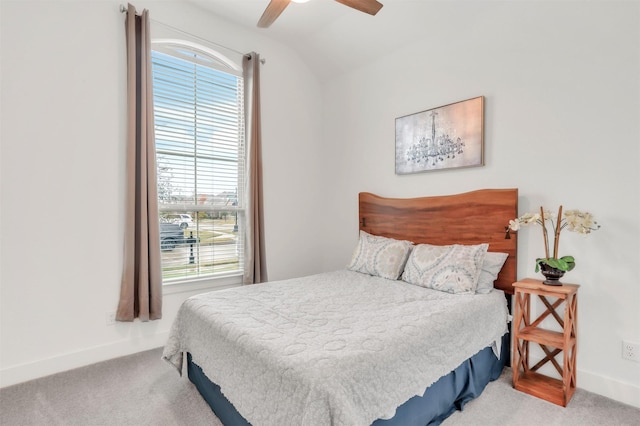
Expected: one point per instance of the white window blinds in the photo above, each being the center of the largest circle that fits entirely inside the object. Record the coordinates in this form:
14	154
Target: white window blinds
199	126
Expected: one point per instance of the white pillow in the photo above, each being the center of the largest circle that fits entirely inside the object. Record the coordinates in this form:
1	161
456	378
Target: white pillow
453	269
491	267
380	256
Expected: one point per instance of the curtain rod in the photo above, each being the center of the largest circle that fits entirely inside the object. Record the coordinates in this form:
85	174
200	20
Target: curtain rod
123	9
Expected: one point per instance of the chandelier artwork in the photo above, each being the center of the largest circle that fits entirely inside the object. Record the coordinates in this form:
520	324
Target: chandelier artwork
447	137
436	148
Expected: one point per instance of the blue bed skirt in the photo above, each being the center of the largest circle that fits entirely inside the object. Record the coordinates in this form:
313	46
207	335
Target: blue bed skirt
440	400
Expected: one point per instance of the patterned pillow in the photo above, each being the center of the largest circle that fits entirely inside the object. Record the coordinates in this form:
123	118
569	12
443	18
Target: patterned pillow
380	256
453	269
491	267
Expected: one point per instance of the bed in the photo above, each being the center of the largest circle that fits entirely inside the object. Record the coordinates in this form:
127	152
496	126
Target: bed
354	348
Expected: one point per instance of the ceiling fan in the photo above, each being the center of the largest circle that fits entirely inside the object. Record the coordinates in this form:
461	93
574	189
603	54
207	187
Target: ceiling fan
275	8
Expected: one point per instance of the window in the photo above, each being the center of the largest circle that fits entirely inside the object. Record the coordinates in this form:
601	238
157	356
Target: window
199	130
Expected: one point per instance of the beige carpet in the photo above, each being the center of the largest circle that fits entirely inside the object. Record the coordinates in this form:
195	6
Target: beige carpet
142	389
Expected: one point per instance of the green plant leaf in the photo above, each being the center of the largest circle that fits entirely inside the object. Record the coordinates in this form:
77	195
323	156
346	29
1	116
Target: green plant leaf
571	262
557	263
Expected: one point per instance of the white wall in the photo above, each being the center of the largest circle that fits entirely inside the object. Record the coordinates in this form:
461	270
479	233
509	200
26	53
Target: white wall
62	132
561	82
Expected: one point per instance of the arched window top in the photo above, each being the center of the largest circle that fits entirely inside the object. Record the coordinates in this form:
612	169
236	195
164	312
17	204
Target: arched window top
197	53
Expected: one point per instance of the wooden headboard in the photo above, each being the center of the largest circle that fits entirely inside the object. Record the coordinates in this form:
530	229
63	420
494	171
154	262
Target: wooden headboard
471	218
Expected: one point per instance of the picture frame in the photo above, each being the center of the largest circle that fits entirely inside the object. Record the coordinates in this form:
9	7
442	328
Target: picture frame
447	137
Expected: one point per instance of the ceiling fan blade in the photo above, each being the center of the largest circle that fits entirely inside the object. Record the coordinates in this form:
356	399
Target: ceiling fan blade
271	13
367	6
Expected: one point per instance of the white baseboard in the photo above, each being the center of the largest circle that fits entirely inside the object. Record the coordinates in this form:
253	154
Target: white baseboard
626	393
57	364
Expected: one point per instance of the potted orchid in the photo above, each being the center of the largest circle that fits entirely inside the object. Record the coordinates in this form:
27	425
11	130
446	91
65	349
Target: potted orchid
554	267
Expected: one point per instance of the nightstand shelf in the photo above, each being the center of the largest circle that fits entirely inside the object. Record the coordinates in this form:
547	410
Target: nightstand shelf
544	337
526	378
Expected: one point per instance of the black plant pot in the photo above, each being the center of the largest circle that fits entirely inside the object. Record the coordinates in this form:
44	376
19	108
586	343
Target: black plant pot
551	274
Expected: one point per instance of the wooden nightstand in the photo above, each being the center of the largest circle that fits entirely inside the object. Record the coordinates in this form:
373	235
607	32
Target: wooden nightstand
526	378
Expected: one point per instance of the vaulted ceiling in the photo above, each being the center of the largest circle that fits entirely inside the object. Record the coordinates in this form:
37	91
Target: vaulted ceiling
333	38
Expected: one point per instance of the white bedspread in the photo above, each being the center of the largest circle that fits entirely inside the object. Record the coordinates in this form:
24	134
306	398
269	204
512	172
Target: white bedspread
340	348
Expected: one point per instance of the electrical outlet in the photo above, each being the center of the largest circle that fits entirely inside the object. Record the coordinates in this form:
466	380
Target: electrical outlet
631	351
110	318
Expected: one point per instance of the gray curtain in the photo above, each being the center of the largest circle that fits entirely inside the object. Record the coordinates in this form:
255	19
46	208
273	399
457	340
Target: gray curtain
255	269
141	285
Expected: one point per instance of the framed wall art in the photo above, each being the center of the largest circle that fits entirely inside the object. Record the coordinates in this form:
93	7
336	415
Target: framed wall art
447	137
